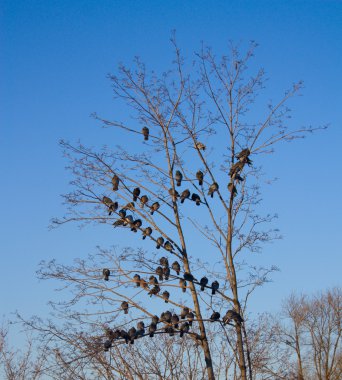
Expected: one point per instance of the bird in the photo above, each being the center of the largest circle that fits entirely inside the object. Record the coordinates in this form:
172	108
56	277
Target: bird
199	176
154	291
182	284
155	319
170	330
136	193
124	307
164	262
122	213
168	246
166	296
188	276
199	145
136	224
155	206
196	198
153	280
106	200
214	286
162	319
215	316
144	284
184	312
190	317
185	195
175	320
119	222
112	206
132	332
140	328
232	189
185	327
143	201
236	168
106	274
147	232
214	187
107	345
115	182
145	131
174	194
152	329
178	177
243	156
136	279
109	333
166	272
167	316
176	267
159	272
130	206
232	314
128	220
203	283
124	335
238	178
160	242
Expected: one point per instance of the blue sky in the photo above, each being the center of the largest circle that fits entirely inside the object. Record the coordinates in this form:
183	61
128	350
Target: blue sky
55	56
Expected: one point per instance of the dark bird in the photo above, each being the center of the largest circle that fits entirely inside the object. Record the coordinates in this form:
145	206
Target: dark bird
136	279
214	187
143	200
136	193
185	327
176	267
159	272
132	332
166	272
124	307
232	189
119	222
175	320
122	213
106	274
145	131
178	178
243	156
166	296
154	291
182	284
147	232
112	206
155	206
153	280
184	312
199	145
162	317
115	182
130	206
107	201
155	319
160	242
170	330
109	333
185	195
107	345
236	168
214	287
203	283
152	329
238	178
168	246
199	176
128	220
215	316
136	225
196	198
164	262
174	194
232	315
167	316
124	335
188	276
144	284
140	328
190	317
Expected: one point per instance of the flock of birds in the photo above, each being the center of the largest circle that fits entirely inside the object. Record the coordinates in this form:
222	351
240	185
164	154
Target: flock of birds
172	322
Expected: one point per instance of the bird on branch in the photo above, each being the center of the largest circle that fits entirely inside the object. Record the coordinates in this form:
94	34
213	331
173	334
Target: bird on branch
178	178
143	201
147	232
145	131
199	176
232	315
115	182
196	198
136	193
176	267
214	287
124	307
160	242
203	282
185	195
106	274
155	206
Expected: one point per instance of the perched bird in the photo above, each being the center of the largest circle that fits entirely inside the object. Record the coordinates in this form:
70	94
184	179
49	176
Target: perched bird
214	286
199	145
128	220
238	178
106	274
109	333
175	320
178	177
155	206
164	262
143	200
144	284
232	315
167	316
115	182
112	206
140	328
162	317
145	131
107	201
199	176
196	198
152	329
174	194
107	345
190	317
153	280
168	246
185	195
182	284
185	327
160	242
122	213
214	187
136	193
170	330
188	276
215	316
166	296
154	291
232	189
203	283
159	272
166	272
184	312
155	319
147	232
124	307
130	206
132	332
176	267
236	168
124	335
243	156
136	279
119	222
136	224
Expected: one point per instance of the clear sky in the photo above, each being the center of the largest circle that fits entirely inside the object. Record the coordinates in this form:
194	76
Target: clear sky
54	59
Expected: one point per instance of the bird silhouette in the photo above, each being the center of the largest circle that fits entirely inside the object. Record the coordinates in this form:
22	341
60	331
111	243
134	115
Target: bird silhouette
196	198
185	195
136	279
130	206
140	328
155	206
168	246
184	312
153	280
166	272
144	284
188	276
132	332
199	176
214	287
167	316
200	146
232	189
185	327
143	201
159	272
174	194
124	307
236	168
175	320
176	267
203	283
106	274
214	187
155	319
124	335
122	213
232	315
147	232
136	193
182	284
154	291
238	178
170	330
107	345
152	329
164	262
145	131
136	225
243	156
215	316
112	206
178	178
166	296
115	182
190	317
160	242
